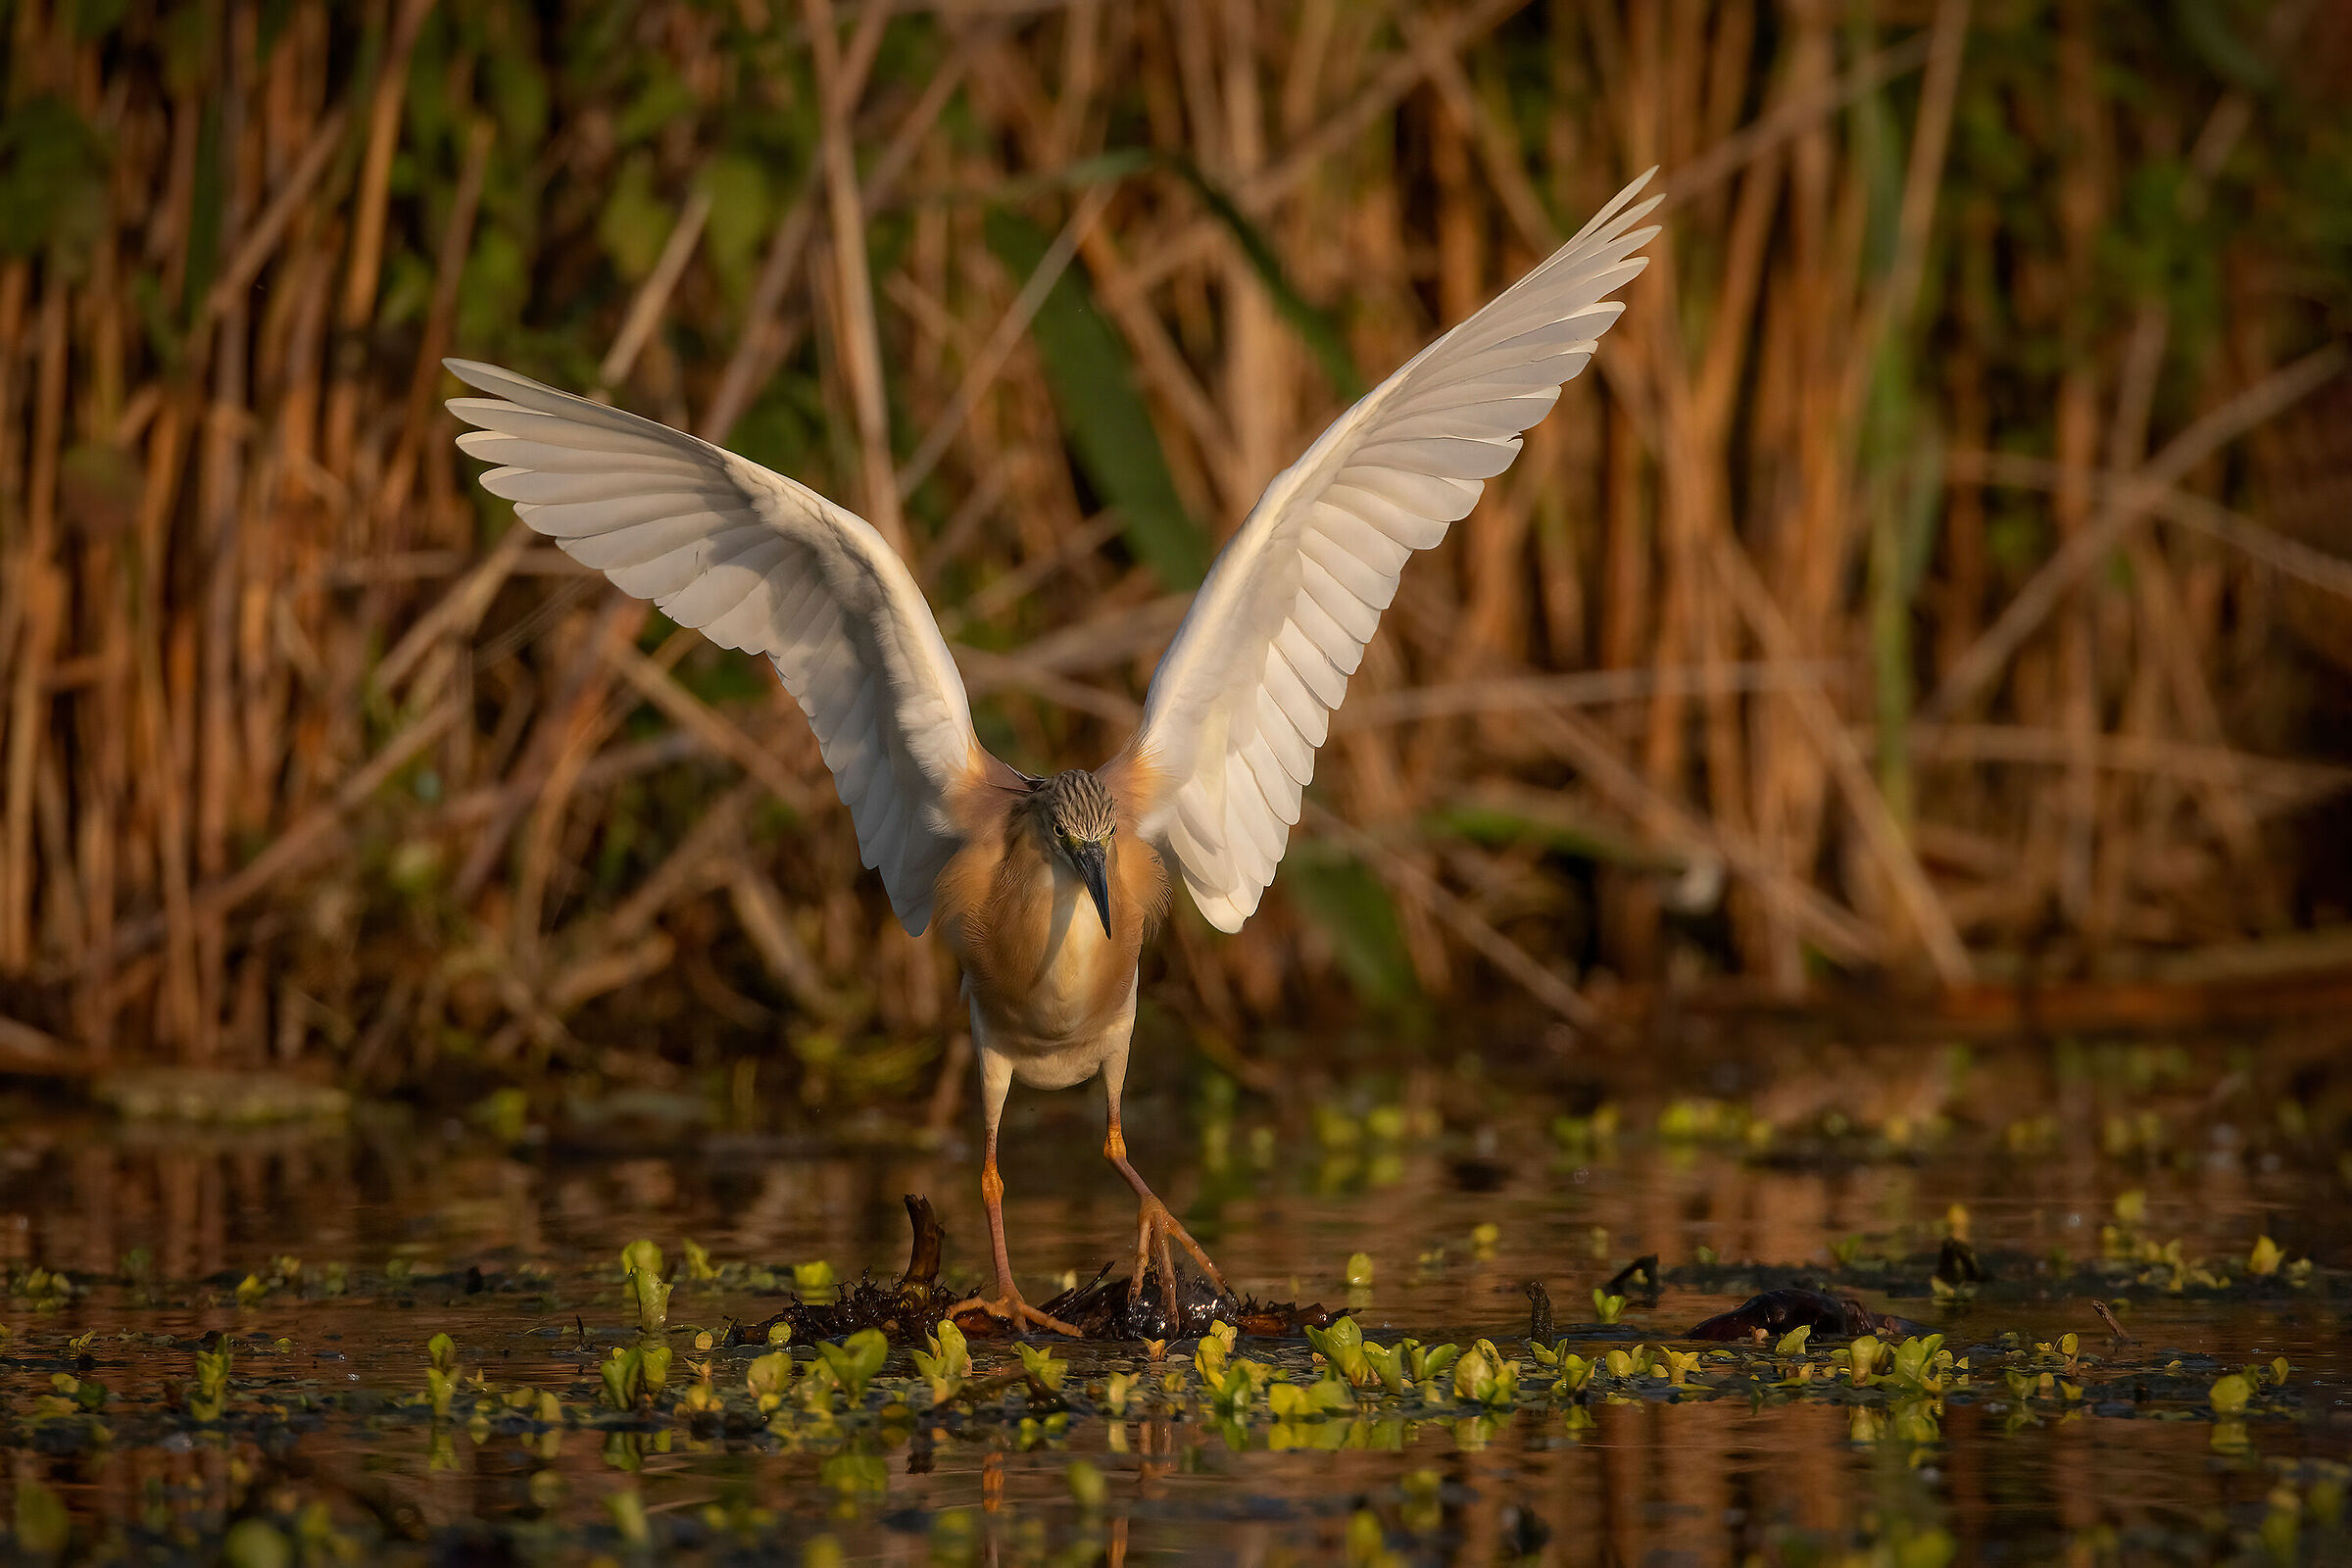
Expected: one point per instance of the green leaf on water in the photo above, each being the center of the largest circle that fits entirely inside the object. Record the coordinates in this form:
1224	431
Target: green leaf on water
1093	380
1040	1364
2229	1395
855	1360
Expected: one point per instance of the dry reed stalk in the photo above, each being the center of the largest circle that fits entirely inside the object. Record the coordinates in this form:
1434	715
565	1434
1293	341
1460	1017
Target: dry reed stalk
39	618
652	295
1003	340
2329	574
2074	560
449	266
364	263
1499	950
1258	196
855	332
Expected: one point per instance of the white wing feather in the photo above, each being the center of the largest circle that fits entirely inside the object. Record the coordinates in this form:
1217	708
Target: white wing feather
1245	694
762	563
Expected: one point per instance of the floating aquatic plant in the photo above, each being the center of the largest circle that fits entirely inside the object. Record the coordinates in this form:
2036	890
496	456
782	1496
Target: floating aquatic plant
1481	1376
440	1373
854	1362
1341	1346
1043	1367
212	1380
947	1363
651	1292
1606	1306
623	1373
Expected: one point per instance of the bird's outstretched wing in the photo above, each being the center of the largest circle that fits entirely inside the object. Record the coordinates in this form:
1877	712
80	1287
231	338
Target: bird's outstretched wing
757	562
1245	691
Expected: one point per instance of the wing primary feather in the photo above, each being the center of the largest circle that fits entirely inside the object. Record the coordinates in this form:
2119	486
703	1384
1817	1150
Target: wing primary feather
1244	695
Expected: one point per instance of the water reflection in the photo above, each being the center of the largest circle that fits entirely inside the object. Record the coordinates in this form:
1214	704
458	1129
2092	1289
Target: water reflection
1459	1187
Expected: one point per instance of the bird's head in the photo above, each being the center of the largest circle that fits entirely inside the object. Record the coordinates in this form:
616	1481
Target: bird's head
1081	819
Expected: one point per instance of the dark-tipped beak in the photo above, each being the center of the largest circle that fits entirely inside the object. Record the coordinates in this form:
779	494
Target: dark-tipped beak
1091	869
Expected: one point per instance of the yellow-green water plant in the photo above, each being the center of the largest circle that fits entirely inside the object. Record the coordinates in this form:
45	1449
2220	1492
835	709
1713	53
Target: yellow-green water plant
1793	1342
700	1396
2230	1394
1230	1383
441	1373
1680	1364
211	1381
1341	1346
1428	1362
2264	1260
1862	1358
653	1367
1481	1376
768	1379
1572	1373
1117	1388
1606	1306
623	1374
855	1359
1208	1358
1391	1365
946	1361
1919	1362
1039	1362
651	1292
699	1267
1626	1366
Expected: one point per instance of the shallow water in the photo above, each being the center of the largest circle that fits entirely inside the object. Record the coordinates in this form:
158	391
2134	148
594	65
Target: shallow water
2212	1143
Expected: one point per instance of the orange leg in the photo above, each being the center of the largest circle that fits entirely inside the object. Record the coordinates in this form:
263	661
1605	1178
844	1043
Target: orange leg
1007	1302
1155	1226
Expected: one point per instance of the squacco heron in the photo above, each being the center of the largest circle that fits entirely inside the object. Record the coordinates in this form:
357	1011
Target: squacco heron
1046	888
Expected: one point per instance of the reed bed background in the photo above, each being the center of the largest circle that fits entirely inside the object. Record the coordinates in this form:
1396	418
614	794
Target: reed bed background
1943	576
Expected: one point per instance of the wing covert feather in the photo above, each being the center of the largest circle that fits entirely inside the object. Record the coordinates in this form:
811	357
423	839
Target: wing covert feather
1243	695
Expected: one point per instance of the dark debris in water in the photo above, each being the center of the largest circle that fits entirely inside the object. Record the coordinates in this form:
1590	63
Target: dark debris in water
1764	1318
1102	1309
1105	1308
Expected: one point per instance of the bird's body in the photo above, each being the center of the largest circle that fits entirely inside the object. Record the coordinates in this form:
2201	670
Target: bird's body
1052	987
1046	889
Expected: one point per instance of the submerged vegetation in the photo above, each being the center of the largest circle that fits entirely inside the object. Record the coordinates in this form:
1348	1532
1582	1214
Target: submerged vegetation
1935	577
